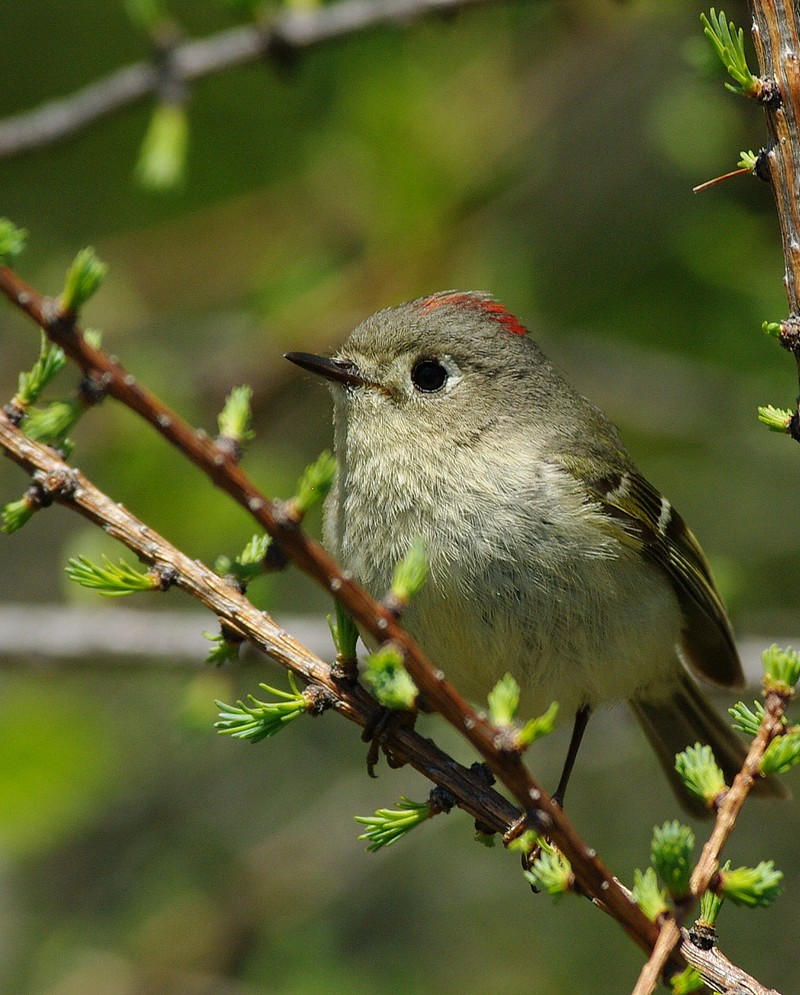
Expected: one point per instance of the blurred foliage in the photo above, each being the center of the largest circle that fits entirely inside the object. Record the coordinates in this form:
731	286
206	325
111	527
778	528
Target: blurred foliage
543	151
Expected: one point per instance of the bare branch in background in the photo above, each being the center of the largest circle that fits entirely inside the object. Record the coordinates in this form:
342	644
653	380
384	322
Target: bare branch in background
293	31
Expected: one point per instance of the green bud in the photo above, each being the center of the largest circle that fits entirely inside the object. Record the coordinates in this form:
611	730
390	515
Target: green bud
525	842
551	872
257	720
748	160
648	894
51	424
410	573
234	419
314	484
536	728
503	701
16	514
223	650
255	551
728	42
388	679
752	886
772	328
51	360
111	580
671	857
781	668
686	981
699	772
12	242
746	721
710	904
387	826
162	158
249	564
83	280
93	337
344	633
782	754
776	419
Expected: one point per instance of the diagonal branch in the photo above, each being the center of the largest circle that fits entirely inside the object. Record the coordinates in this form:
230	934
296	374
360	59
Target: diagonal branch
68	486
706	868
539	810
292	31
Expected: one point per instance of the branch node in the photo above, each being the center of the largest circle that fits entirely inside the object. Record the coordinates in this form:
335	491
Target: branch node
319	699
789	333
761	168
287	514
703	936
480	770
515	830
441	800
229	449
171	86
230	633
769	93
61	324
14	413
93	388
165	574
48	487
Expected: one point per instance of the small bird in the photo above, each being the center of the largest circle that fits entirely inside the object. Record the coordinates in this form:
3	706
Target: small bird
550	556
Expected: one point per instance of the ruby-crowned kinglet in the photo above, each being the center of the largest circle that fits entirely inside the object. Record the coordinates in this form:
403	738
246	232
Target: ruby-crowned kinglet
550	556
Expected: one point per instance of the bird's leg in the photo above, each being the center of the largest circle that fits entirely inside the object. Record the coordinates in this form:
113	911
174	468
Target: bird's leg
578	729
383	723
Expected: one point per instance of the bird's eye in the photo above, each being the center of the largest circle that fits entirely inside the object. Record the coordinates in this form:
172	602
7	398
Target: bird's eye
428	376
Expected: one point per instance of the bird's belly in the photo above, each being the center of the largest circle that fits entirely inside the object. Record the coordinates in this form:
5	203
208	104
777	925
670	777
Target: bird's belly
600	639
552	596
606	633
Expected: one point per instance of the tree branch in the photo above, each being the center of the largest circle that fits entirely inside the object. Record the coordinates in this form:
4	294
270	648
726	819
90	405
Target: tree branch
541	814
292	31
730	805
776	35
69	487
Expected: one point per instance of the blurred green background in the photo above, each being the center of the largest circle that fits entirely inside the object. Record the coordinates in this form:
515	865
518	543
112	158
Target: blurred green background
543	151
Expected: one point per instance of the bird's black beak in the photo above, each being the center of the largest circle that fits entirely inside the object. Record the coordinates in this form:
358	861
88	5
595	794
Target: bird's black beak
338	370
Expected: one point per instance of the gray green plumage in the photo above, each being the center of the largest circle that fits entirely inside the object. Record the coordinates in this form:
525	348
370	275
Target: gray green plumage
550	555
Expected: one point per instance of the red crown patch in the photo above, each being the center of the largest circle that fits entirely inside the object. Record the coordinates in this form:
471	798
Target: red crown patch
490	307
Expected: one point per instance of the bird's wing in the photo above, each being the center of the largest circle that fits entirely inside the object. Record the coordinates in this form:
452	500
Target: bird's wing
640	516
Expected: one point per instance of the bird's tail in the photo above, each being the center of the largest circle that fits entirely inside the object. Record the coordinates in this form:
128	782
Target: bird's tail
684	719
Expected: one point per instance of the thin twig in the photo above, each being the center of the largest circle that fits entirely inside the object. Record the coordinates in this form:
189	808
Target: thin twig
707	866
733	800
775	33
651	971
192	60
